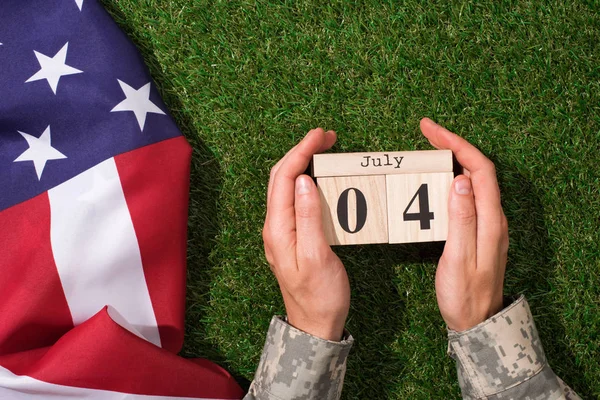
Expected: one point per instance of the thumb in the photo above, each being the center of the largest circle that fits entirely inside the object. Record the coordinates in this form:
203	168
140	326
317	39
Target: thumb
461	245
309	223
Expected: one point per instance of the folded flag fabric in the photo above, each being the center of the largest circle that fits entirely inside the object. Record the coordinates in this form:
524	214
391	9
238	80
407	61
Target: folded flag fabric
94	178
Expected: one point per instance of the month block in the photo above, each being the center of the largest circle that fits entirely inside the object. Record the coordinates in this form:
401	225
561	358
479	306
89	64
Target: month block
383	163
354	209
418	207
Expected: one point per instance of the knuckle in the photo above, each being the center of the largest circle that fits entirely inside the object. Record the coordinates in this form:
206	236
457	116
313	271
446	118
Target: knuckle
504	224
490	167
273	171
307	210
266	235
270	259
504	246
500	233
464	215
449	259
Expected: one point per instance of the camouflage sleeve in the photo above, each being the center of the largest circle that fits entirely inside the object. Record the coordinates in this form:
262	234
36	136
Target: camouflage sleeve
297	366
502	358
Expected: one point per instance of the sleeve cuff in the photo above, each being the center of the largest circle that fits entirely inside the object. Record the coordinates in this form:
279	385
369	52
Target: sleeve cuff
297	365
499	353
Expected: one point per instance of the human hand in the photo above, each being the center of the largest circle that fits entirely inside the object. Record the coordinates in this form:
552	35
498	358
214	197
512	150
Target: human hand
312	279
470	275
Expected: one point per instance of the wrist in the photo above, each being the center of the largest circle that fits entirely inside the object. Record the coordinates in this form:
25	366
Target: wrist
476	317
328	331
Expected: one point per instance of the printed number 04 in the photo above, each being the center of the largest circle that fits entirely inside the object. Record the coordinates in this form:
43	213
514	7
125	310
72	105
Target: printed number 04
424	216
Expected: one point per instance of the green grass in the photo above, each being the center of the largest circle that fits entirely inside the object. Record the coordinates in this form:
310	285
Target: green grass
245	80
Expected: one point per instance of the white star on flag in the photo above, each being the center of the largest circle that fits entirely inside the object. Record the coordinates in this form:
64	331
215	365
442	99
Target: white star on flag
137	101
79	4
53	68
39	151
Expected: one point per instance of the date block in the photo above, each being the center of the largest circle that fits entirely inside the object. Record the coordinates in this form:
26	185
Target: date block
354	209
418	207
388	197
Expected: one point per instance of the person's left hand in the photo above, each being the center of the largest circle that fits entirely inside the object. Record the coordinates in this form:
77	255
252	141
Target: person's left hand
312	279
470	276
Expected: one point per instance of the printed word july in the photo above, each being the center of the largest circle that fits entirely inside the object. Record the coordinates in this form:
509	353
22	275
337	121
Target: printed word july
378	161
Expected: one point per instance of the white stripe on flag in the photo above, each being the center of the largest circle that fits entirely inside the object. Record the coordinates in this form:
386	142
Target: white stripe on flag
96	250
15	387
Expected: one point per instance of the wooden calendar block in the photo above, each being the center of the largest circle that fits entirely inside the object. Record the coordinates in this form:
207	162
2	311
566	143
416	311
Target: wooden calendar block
383	163
354	209
418	206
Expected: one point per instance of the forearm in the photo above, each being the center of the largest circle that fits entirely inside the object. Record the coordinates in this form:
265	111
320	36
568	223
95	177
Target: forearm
503	358
296	365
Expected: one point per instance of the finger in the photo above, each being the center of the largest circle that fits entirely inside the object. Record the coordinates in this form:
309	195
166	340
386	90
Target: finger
281	218
480	169
467	155
310	236
460	250
280	227
295	163
330	138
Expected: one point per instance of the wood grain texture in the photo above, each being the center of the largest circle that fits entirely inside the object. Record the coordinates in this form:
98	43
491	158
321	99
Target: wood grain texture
383	163
342	197
401	189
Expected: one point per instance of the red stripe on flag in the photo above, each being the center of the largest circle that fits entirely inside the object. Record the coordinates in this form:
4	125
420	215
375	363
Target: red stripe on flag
33	308
100	354
155	181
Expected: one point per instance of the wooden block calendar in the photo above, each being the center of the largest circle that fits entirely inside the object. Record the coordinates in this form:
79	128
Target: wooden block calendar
387	197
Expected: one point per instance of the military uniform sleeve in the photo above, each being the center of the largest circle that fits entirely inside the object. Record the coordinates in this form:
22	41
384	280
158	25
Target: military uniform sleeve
503	358
298	366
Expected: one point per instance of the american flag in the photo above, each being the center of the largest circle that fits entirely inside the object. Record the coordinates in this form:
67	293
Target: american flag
94	178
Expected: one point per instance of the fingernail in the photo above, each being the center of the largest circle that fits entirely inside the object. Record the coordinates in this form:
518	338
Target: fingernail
302	185
433	122
463	186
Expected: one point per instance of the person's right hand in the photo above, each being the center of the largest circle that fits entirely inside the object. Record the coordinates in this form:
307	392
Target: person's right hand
470	275
312	279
